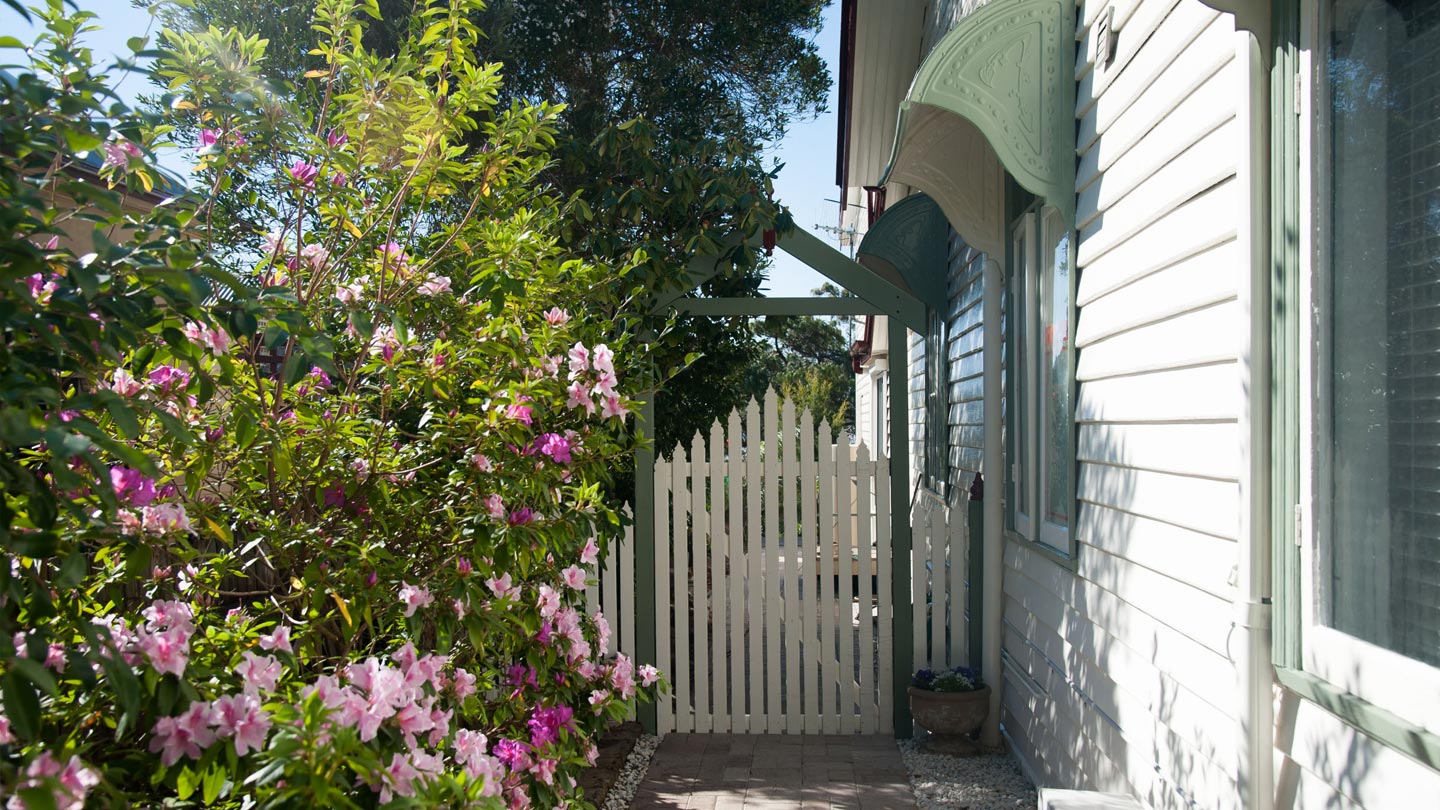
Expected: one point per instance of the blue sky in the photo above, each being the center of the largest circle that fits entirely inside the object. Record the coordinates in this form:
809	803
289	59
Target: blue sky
805	183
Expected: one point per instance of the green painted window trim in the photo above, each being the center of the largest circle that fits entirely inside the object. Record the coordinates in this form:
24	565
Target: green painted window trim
1389	729
1019	202
1286	398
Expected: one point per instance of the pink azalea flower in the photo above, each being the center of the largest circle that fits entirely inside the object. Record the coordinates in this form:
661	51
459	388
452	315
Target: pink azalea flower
71	784
125	384
602	630
6	736
556	316
132	487
574	577
276	244
521	413
242	717
579	396
164	519
215	341
495	506
592	754
315	255
394	256
482	463
168	378
279	639
579	359
350	293
603	359
463	684
545	771
649	675
611	407
187	735
501	587
167	651
605	386
119	153
303	173
258	672
598	698
41	289
549	601
434	285
399	778
590	555
414	597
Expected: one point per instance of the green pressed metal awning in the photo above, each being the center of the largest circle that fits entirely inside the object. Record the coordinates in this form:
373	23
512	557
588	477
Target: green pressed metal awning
906	246
996	93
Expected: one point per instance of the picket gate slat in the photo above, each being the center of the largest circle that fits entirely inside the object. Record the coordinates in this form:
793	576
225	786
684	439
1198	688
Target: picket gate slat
806	553
684	712
920	551
884	607
665	711
845	604
624	624
939	592
955	619
789	573
735	561
773	717
754	584
829	644
719	712
699	570
869	716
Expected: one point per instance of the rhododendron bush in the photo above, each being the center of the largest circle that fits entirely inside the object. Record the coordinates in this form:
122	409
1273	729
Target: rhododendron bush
313	530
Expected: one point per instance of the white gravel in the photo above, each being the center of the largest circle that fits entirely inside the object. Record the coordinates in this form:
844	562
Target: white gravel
632	774
984	782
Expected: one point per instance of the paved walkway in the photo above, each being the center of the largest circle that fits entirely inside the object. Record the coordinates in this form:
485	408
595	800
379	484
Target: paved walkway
775	772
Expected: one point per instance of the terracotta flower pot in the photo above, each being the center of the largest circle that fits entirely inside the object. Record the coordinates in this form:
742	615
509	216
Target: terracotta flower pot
950	717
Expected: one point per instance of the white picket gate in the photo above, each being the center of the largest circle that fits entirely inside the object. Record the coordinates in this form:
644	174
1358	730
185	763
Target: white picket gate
763	533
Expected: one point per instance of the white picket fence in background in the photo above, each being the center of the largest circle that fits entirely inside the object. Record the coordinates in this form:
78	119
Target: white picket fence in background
613	594
770	528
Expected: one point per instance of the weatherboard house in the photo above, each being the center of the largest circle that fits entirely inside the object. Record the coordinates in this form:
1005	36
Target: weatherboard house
1176	391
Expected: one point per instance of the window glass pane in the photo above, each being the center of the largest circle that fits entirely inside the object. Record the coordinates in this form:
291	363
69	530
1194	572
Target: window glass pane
1379	171
1055	368
1022	376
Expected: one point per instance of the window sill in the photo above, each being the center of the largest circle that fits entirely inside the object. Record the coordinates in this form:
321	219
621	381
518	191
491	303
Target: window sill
1389	729
1066	561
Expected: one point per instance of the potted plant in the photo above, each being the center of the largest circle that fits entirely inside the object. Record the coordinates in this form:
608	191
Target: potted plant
951	704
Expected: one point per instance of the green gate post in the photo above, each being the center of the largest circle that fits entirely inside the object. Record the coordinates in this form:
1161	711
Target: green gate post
900	590
646	611
974	594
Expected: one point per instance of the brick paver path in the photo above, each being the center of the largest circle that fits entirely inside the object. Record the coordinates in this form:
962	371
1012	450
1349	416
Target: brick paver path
775	772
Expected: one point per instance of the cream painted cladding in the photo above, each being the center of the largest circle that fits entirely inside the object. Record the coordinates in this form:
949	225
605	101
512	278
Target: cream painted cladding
1118	674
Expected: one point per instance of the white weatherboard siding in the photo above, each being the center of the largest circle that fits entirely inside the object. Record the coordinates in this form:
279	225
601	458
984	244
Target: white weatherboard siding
1118	674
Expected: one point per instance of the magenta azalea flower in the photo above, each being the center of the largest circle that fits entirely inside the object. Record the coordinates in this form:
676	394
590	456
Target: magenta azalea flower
303	173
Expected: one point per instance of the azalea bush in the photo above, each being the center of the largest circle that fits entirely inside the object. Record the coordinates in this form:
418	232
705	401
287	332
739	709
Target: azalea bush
310	527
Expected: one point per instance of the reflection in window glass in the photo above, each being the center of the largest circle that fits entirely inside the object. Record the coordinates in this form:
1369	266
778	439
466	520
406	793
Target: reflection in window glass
1379	130
1022	377
1055	368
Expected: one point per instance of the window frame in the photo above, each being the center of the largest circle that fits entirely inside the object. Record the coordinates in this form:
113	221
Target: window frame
1026	388
1386	693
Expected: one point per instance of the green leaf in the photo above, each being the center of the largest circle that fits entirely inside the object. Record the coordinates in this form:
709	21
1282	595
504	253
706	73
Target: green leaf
37	545
185	783
38	798
214	783
37	674
21	704
72	571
